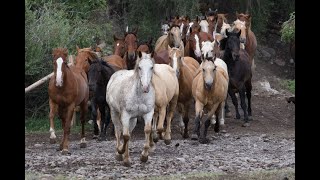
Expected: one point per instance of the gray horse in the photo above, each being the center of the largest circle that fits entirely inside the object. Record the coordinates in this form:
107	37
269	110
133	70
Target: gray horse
130	94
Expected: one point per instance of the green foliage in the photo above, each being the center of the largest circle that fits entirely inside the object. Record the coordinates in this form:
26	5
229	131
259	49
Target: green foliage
288	29
289	85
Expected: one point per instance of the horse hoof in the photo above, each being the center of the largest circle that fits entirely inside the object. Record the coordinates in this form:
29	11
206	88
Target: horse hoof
65	152
228	114
204	141
52	141
95	137
238	116
144	158
119	157
83	145
155	138
127	163
167	141
185	136
222	129
102	138
194	137
250	118
246	124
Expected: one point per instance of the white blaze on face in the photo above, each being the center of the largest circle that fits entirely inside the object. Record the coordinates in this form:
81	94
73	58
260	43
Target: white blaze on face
204	26
190	25
118	44
181	27
175	62
59	80
197	51
207	48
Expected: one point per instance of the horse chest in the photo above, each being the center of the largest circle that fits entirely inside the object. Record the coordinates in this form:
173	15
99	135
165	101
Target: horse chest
140	105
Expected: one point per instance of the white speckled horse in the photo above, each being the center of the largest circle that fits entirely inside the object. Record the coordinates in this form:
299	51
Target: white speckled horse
131	94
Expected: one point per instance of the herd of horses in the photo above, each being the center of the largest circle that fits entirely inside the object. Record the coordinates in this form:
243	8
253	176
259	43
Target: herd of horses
201	61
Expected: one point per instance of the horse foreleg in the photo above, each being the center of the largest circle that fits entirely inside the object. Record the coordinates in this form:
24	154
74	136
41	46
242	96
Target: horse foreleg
196	132
147	131
125	119
94	118
171	109
162	115
67	115
204	125
83	113
102	111
226	107
117	129
248	93
221	117
53	111
235	102
186	119
243	104
180	117
154	126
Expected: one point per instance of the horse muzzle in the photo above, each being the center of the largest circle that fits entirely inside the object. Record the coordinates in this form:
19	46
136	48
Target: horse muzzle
146	89
208	86
243	40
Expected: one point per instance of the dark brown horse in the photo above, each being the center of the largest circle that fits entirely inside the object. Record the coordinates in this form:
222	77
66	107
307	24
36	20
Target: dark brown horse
145	46
240	74
130	47
99	75
68	88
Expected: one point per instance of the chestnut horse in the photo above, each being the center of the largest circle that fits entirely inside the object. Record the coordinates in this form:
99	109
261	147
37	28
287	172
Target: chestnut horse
193	47
186	68
118	46
248	37
145	46
68	88
130	47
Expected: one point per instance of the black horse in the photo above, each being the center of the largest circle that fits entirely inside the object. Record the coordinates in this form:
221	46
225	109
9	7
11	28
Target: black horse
240	75
99	75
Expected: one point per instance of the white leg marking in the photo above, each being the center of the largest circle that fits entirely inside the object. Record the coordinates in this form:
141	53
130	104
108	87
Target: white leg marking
52	133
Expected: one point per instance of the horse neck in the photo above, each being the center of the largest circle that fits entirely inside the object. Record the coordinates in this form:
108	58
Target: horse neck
135	80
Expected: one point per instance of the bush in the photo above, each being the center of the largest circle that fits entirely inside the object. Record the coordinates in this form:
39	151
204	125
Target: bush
288	29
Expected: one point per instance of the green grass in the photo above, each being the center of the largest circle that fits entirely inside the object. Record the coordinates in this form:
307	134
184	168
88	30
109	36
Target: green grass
289	85
278	174
39	125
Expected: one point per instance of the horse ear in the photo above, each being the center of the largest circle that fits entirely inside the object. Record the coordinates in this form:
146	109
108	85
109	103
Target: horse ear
249	17
135	31
227	33
239	33
226	15
115	37
150	40
152	54
197	19
77	47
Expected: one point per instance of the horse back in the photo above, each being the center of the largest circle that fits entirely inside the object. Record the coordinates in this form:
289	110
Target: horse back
161	43
116	61
162	57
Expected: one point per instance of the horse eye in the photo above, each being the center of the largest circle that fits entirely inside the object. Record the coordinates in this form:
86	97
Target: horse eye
151	68
203	70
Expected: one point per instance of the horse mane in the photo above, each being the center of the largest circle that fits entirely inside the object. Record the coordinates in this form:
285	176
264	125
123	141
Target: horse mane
60	52
174	25
92	54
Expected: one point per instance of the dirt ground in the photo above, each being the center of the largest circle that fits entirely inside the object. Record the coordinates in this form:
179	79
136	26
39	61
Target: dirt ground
268	144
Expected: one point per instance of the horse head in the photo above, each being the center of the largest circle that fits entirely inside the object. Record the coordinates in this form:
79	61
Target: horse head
175	56
174	36
59	64
83	57
118	46
233	45
131	44
208	73
241	26
144	70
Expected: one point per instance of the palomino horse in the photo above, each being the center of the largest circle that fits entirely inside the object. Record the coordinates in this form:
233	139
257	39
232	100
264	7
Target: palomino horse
173	39
118	46
239	67
99	75
68	88
209	89
247	36
130	46
131	94
186	68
